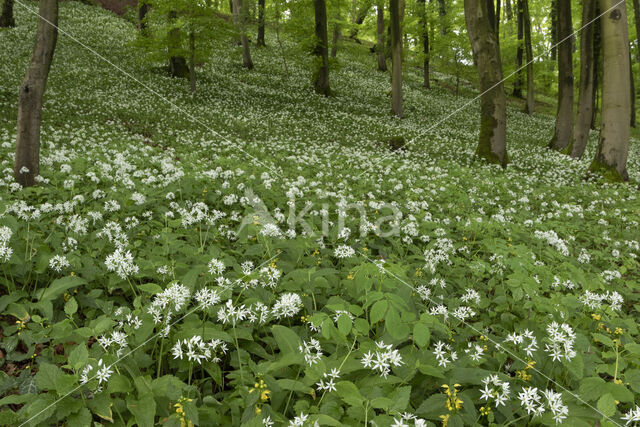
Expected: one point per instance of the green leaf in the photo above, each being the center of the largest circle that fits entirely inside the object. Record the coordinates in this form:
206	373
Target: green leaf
47	376
71	306
349	393
150	288
65	383
632	376
378	311
400	398
591	388
344	324
78	356
607	405
59	286
288	341
18	311
421	334
144	410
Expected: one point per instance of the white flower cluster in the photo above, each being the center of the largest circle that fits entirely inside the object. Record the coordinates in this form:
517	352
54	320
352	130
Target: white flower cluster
121	263
463	313
117	338
5	236
344	251
327	384
444	354
594	301
195	349
633	416
439	253
58	263
406	419
168	302
553	240
216	267
531	400
474	351
495	390
207	297
382	359
288	305
471	295
525	341
102	374
311	350
561	339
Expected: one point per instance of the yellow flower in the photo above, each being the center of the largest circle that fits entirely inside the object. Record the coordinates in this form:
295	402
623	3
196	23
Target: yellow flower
596	317
445	419
264	395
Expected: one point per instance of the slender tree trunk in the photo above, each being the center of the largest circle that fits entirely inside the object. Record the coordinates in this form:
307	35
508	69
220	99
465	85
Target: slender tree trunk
442	11
492	142
6	19
636	14
177	63
554	29
529	105
382	57
496	22
632	93
357	18
517	86
613	146
321	51
585	98
231	7
143	9
564	120
508	9
240	16
192	61
27	159
334	42
597	70
424	29
396	57
260	42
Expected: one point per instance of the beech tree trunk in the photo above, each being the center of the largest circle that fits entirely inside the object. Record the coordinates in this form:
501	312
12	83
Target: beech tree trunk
442	11
260	42
177	62
613	145
396	57
424	29
321	50
240	17
585	97
382	57
597	69
517	85
529	105
6	19
334	41
509	10
496	19
492	142
27	159
632	93
564	120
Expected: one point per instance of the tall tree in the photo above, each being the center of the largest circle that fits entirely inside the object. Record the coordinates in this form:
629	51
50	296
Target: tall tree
492	142
554	29
442	12
260	42
496	19
143	9
177	62
517	86
585	97
564	119
424	30
529	105
27	159
636	14
632	93
382	57
240	13
6	19
613	146
396	57
321	49
508	10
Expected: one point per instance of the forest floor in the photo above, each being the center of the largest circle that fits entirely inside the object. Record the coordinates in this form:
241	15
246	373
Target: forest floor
255	253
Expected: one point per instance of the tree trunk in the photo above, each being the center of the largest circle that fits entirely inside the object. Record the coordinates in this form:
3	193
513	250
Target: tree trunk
424	29
597	69
636	14
382	57
529	105
321	50
334	42
554	29
396	57
231	7
492	142
192	61
517	86
357	18
509	10
496	18
143	9
27	159
6	19
442	11
613	145
260	42
564	120
177	63
585	98
632	93
240	16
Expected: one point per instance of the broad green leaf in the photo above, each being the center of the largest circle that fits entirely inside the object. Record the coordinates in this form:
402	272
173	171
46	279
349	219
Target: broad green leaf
421	334
607	405
288	341
47	376
378	311
78	356
144	410
58	286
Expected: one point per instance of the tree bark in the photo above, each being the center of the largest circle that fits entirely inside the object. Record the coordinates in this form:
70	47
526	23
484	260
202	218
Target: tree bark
6	19
382	57
496	18
564	120
597	69
509	10
424	29
554	29
357	18
260	42
334	42
613	146
529	105
632	93
636	14
26	165
517	86
177	62
321	50
143	9
492	142
585	97
442	11
396	57
240	16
